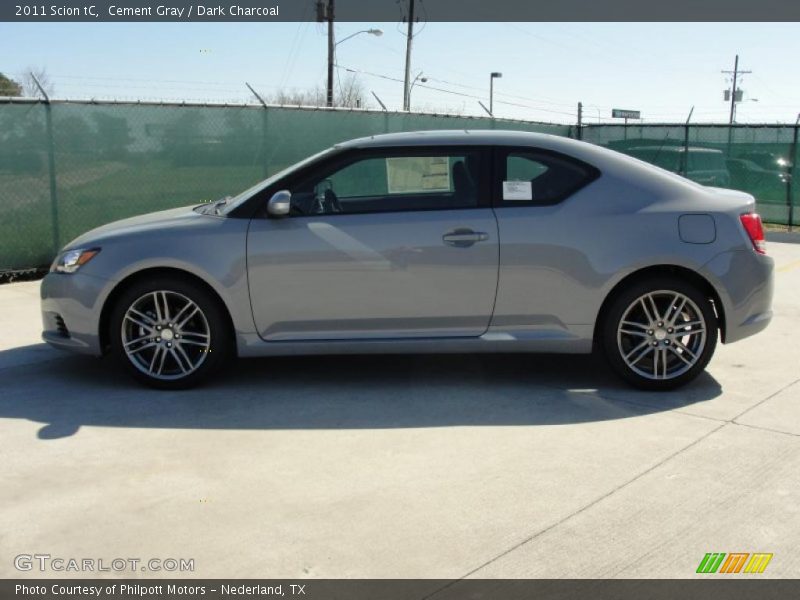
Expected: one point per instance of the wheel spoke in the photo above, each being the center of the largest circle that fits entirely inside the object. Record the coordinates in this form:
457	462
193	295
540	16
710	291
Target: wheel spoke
677	310
139	322
641	355
137	340
142	316
154	358
654	306
159	316
194	343
643	326
142	347
166	306
647	313
178	361
189	304
188	318
634	333
686	351
681	356
185	356
635	350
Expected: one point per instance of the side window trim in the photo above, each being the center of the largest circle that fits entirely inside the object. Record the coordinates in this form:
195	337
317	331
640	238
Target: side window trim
355	155
501	154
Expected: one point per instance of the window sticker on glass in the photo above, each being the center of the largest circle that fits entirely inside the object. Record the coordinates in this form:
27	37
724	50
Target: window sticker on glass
415	174
517	190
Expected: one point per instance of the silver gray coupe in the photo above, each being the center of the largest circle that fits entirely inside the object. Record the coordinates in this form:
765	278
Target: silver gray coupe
437	241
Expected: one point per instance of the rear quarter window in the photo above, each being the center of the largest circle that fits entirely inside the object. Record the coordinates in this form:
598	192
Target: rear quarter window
540	177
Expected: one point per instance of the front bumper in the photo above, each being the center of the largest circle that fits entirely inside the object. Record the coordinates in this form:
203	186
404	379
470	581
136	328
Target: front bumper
745	283
71	307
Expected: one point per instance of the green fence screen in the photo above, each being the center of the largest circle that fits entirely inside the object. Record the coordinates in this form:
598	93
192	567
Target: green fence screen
67	167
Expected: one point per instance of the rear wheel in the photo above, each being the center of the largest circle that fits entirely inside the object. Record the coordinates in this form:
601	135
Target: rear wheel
169	333
660	333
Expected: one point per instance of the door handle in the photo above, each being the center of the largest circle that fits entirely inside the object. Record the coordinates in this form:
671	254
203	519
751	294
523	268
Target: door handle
462	238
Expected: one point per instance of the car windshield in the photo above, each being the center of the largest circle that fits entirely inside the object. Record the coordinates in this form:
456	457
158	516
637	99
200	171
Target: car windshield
231	203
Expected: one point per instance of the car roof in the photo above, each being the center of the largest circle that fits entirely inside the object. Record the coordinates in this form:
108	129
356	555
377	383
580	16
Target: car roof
454	137
675	149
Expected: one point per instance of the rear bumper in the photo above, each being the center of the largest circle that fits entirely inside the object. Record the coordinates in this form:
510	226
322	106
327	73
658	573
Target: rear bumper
71	306
745	282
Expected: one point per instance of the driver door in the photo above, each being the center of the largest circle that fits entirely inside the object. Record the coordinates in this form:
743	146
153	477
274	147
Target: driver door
386	243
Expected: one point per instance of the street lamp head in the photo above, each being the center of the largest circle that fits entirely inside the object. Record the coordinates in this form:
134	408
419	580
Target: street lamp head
375	32
496	75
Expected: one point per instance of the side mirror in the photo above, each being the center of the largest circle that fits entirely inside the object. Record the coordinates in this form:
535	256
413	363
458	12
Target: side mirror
280	204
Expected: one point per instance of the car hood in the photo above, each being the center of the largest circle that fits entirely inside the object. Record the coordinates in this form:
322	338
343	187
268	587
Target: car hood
163	219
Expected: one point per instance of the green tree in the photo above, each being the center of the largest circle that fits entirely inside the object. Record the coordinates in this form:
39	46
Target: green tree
9	87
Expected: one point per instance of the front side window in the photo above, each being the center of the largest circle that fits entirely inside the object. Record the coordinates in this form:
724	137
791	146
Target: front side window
392	182
541	177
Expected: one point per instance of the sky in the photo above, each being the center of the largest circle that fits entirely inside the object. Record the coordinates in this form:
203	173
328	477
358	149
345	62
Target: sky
661	69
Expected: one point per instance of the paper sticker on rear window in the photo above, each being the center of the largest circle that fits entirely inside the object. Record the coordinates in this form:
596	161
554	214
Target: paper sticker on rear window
517	190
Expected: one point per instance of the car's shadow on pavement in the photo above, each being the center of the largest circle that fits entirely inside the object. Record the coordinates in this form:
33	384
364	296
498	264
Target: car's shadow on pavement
66	392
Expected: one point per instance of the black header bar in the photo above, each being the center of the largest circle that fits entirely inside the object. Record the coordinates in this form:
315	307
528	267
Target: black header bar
393	10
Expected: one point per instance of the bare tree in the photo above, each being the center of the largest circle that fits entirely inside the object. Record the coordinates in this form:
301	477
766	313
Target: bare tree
349	93
29	87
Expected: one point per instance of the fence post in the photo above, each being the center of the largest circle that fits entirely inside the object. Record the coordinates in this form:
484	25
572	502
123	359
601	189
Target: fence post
51	165
685	158
264	127
791	168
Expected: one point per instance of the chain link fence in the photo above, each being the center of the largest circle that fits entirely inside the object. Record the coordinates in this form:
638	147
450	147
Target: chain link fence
66	167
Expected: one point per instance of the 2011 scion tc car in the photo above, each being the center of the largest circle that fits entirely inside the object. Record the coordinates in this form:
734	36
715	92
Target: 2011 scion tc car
451	241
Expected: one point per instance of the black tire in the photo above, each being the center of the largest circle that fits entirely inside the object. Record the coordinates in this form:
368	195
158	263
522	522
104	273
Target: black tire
207	338
680	344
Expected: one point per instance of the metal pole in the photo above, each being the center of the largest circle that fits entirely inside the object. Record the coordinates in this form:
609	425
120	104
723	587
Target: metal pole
733	89
580	121
331	50
51	165
491	93
383	106
409	38
264	129
685	158
790	170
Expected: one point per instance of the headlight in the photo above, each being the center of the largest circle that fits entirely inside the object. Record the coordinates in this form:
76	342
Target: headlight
72	260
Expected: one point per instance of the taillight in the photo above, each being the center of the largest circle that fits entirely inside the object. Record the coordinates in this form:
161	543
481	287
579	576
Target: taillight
755	231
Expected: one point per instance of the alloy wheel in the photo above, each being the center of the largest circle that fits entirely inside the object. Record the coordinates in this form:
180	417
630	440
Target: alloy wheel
165	335
662	334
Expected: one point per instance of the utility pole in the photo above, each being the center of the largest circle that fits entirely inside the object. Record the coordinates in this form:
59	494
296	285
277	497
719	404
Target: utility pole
331	51
736	72
580	121
409	38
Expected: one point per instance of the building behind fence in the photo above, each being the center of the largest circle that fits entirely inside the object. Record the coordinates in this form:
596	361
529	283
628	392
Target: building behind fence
66	167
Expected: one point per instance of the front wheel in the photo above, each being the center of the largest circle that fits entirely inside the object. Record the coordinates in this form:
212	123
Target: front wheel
169	333
660	333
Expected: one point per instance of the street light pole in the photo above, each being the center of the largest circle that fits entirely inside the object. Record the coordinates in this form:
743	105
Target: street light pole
419	77
409	38
492	77
331	50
